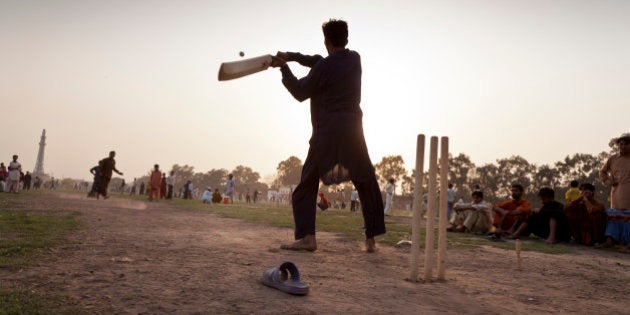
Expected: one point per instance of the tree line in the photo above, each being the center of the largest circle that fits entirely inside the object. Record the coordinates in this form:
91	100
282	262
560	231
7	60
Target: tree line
494	179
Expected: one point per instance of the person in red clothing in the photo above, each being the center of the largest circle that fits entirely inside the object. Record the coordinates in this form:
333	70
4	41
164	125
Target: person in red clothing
508	215
587	217
155	183
323	202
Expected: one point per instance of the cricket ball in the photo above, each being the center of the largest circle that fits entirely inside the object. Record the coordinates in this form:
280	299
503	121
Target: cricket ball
241	54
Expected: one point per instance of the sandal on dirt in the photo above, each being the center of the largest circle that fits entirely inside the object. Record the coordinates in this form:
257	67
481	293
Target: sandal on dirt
279	278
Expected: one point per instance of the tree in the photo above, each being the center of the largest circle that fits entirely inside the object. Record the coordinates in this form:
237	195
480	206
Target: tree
214	178
390	167
407	184
580	167
289	171
487	179
245	175
182	174
546	176
459	170
585	169
515	170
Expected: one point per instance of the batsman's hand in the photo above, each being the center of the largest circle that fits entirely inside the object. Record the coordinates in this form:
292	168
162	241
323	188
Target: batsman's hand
283	55
277	61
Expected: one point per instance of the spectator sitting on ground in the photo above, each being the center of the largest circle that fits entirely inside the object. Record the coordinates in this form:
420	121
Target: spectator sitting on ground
587	217
508	215
573	192
549	222
216	196
323	203
472	217
206	197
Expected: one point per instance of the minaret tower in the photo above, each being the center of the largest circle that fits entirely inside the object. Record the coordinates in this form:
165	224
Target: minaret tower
39	165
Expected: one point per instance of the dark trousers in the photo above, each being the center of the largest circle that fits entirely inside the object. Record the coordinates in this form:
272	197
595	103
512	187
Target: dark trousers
169	194
305	200
353	205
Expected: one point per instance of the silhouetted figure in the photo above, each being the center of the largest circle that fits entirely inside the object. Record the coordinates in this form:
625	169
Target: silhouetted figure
337	150
107	166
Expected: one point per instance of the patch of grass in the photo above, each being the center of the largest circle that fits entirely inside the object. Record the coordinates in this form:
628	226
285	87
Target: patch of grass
25	302
24	233
350	225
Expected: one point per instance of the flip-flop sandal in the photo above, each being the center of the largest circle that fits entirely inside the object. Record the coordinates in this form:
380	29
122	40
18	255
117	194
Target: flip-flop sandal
285	278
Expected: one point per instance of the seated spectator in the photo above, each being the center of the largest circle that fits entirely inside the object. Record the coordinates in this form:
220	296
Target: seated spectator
472	217
323	203
573	192
587	217
508	215
206	197
549	222
216	196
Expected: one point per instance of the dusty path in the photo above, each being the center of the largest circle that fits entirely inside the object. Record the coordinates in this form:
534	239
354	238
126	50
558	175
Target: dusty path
134	257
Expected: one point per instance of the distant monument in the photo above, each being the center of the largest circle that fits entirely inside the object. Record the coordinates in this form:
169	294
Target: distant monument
39	165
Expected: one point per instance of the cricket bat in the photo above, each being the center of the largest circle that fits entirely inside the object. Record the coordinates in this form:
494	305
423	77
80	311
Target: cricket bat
237	69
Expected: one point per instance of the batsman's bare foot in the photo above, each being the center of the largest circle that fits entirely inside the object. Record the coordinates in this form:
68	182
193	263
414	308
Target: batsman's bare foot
308	243
370	245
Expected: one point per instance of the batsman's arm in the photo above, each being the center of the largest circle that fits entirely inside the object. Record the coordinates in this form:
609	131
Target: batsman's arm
303	88
304	60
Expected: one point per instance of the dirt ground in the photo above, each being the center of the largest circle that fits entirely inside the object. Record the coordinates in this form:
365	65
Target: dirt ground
135	257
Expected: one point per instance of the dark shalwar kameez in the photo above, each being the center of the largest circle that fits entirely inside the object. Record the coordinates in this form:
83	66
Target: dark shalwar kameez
337	151
107	166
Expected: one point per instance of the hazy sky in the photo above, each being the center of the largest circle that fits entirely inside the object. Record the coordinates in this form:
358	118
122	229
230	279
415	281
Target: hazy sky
541	79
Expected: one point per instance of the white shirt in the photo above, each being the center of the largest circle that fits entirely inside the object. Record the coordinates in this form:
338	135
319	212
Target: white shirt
354	195
389	189
207	195
170	180
482	206
451	195
14	170
229	187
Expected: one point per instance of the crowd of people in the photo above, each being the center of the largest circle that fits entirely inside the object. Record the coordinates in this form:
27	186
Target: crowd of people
582	219
159	186
13	179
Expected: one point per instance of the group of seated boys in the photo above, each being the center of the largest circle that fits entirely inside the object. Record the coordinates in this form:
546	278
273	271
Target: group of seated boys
582	219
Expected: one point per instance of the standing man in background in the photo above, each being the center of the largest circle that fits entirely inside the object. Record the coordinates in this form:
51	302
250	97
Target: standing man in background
229	188
616	174
170	182
389	196
154	183
450	201
15	168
